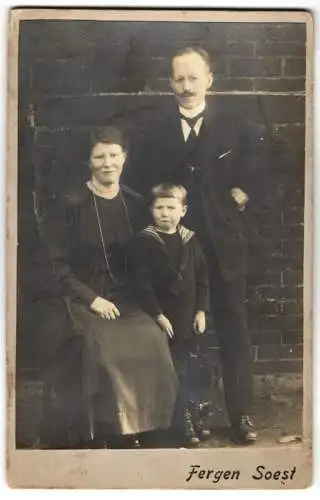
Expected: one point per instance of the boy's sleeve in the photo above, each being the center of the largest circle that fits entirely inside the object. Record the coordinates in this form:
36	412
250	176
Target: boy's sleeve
202	302
140	272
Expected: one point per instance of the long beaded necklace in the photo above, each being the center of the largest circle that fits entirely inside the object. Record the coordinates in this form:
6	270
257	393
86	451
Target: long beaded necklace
112	276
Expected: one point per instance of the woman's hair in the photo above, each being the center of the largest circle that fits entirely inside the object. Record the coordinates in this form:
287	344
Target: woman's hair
168	190
108	135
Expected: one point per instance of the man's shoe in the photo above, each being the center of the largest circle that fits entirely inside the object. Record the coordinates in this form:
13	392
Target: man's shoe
243	430
190	438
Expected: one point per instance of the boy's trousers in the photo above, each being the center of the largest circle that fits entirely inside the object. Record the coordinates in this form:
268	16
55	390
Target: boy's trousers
180	351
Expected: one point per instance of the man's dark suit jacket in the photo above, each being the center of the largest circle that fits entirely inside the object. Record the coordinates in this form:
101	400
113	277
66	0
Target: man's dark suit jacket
232	153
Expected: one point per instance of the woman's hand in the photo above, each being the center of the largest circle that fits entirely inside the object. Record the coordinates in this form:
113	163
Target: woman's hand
165	325
105	308
199	323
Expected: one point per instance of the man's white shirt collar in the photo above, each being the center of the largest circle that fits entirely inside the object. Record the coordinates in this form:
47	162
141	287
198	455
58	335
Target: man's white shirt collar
191	113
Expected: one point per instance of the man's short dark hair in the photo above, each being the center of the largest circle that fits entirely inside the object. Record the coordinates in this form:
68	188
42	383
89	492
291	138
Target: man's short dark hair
168	190
193	50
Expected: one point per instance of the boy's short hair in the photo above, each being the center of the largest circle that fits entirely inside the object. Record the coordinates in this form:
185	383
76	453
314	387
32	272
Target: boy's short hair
168	190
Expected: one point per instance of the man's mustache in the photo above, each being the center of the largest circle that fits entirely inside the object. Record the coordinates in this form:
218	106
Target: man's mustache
187	94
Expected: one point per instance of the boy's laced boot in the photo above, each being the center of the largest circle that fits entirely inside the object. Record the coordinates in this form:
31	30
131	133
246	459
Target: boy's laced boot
198	413
190	438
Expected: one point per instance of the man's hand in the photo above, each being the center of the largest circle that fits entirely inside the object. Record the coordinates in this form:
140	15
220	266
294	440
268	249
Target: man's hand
199	323
240	197
105	308
165	325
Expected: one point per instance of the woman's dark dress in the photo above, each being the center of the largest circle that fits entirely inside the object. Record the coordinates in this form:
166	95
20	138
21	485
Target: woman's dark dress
116	375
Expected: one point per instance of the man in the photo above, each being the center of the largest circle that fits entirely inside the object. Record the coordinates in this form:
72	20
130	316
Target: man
212	152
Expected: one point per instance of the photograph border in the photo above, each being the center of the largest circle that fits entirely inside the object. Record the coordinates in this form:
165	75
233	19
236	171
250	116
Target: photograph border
86	468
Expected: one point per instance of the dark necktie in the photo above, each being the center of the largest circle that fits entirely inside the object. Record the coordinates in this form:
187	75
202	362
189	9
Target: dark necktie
191	140
191	147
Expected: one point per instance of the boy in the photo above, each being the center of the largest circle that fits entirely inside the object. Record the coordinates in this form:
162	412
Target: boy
170	277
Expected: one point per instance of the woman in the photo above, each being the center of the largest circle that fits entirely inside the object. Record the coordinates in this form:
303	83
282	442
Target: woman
116	374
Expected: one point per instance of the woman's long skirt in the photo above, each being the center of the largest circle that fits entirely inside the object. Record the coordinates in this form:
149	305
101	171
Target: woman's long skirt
115	375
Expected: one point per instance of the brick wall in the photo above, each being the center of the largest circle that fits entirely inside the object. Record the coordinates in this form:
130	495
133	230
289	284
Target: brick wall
75	74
